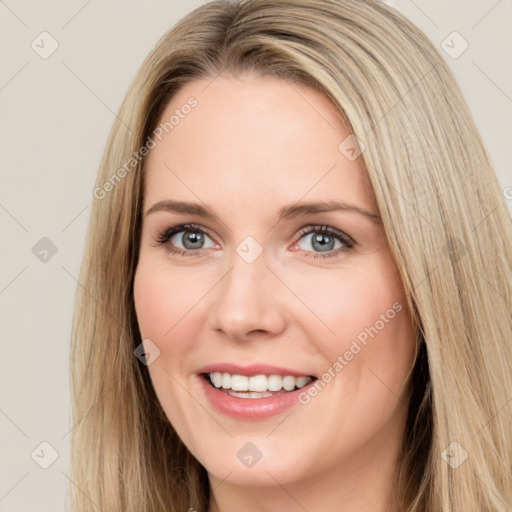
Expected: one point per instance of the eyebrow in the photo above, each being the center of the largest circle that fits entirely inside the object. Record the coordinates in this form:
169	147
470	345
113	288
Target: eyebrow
287	212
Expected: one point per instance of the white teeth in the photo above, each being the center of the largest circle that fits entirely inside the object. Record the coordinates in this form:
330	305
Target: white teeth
216	378
275	382
289	383
302	381
258	384
250	394
240	383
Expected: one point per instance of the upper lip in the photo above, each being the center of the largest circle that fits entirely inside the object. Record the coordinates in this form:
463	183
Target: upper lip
252	369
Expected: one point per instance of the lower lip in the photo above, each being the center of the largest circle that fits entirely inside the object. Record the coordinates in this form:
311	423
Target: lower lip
250	408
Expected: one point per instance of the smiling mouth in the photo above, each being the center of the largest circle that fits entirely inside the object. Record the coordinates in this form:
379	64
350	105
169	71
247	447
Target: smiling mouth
256	386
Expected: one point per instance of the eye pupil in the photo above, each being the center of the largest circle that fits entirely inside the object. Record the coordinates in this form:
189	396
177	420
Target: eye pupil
194	238
321	239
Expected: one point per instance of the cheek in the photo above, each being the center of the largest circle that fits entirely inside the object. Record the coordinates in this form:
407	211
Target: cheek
150	302
371	352
363	317
165	317
159	310
162	299
348	301
170	309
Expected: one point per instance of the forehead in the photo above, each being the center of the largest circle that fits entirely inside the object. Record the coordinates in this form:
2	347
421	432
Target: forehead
251	142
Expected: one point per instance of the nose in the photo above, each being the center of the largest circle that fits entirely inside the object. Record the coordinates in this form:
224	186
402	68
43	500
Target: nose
248	301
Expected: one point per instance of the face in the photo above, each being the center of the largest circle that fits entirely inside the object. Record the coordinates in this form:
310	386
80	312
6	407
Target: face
265	291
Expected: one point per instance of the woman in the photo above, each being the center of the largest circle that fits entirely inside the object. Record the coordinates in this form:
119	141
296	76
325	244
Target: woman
297	283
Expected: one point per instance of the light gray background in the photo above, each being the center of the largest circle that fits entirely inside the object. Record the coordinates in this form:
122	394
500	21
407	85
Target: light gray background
55	117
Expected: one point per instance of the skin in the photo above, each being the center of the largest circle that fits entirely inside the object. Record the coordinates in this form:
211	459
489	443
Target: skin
251	146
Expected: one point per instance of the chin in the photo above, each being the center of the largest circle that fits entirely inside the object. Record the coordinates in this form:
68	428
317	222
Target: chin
255	464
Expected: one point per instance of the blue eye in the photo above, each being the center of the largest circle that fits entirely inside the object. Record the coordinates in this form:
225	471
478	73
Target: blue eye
191	237
324	238
326	241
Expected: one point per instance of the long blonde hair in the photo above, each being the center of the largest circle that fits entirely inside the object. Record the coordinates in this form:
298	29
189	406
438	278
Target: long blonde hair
445	219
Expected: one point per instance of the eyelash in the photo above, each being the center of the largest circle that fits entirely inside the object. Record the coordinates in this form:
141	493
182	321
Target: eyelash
348	243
